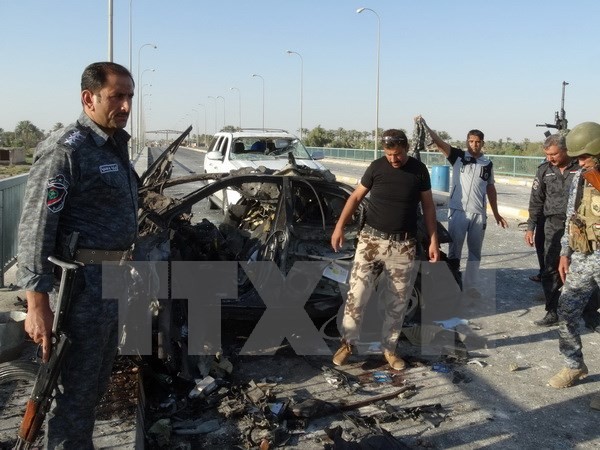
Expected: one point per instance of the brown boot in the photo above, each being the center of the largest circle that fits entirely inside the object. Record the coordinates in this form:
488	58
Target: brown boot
394	361
567	377
342	355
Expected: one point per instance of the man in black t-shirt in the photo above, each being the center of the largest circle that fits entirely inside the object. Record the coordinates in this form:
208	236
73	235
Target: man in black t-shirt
387	242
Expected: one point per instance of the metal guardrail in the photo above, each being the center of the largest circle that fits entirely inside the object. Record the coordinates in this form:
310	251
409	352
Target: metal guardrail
12	193
516	166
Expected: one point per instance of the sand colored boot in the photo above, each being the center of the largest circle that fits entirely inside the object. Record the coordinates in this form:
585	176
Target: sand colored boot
394	361
567	377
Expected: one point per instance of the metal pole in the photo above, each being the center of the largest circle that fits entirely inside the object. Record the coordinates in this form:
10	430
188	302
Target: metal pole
138	100
359	10
131	71
220	96
110	30
301	85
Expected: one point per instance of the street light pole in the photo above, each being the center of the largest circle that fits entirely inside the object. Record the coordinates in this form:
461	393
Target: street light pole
263	98
239	105
110	30
359	10
220	96
210	96
139	111
204	133
138	83
290	52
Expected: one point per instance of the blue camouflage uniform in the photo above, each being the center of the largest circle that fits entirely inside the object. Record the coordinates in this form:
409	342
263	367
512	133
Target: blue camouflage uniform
81	181
548	202
581	281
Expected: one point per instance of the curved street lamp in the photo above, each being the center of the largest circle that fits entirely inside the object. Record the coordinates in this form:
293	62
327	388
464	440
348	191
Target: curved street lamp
290	52
263	98
139	111
358	11
138	83
204	133
239	105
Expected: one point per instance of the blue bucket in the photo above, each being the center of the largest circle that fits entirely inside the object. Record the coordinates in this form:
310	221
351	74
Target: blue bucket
440	178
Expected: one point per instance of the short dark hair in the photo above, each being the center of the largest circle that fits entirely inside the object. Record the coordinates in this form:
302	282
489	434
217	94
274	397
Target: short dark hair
95	75
555	139
394	138
477	133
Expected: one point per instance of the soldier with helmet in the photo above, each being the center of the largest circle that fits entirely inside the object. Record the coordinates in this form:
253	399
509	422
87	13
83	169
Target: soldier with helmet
579	265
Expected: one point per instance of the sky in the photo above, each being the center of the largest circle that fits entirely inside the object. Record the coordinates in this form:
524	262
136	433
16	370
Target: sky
495	65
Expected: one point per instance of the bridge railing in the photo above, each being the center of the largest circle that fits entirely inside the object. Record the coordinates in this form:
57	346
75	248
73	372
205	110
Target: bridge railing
516	166
12	193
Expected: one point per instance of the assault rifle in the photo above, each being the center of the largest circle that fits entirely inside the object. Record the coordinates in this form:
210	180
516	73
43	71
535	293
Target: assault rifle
47	377
560	119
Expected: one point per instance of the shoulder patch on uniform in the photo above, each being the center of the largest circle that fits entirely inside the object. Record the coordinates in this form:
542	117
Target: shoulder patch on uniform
535	185
73	138
57	190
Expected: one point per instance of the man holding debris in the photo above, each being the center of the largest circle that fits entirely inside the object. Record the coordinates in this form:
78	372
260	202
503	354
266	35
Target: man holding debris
579	265
472	184
387	242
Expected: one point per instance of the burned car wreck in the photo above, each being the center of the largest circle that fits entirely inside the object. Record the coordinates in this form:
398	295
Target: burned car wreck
283	217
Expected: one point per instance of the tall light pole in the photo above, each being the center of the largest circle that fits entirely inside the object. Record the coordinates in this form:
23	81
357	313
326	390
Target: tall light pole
204	133
263	98
110	30
210	96
139	112
239	105
221	97
138	83
358	11
290	52
130	71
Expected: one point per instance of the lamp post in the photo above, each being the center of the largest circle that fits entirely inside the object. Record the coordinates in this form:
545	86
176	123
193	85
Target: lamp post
210	96
143	114
263	98
204	133
358	11
139	111
239	105
290	52
138	83
220	96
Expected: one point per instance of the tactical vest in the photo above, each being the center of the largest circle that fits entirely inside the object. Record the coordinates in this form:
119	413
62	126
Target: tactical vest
584	227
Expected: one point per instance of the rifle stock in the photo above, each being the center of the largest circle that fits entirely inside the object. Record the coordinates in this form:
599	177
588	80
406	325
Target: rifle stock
43	389
593	177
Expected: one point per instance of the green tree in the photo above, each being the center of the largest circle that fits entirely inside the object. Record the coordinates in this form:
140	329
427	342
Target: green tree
27	135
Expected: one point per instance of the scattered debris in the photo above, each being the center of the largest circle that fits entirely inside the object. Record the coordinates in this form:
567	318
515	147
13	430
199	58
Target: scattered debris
513	367
442	368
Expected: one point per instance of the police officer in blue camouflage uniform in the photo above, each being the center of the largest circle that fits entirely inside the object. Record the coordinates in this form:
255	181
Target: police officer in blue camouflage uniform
548	204
80	184
579	265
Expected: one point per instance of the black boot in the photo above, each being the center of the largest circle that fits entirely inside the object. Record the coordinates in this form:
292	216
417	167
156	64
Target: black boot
550	319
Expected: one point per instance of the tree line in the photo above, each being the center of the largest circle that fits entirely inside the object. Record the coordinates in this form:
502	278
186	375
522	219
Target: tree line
27	135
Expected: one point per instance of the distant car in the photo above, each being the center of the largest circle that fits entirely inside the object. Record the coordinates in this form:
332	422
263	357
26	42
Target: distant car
253	148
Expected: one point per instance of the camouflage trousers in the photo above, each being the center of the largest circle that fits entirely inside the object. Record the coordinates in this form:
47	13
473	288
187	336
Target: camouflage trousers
583	277
92	327
374	257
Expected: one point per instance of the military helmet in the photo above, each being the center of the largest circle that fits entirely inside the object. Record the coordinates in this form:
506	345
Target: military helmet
584	139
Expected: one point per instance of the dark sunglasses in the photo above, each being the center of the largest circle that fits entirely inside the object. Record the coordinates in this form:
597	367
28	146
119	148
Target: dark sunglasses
392	141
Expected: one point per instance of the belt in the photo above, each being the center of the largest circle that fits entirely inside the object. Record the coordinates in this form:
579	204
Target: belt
402	236
91	256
